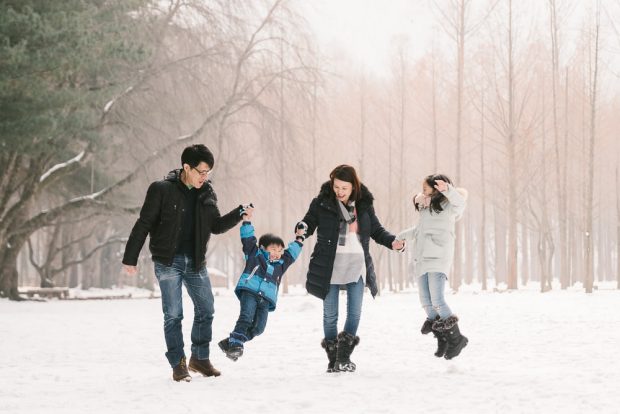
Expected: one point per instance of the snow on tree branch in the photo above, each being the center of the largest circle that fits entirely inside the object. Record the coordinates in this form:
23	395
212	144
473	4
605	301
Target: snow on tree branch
60	166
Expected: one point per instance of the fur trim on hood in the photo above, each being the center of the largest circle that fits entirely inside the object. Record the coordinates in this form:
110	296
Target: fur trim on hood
327	193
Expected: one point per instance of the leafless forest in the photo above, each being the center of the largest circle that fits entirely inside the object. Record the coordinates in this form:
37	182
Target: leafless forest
517	102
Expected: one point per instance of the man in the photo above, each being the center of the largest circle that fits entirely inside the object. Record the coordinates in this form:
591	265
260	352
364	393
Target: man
180	213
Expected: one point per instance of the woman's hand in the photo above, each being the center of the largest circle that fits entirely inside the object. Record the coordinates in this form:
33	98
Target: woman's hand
398	245
441	185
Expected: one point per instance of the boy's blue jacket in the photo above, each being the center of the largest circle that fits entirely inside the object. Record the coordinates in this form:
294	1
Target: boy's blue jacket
260	276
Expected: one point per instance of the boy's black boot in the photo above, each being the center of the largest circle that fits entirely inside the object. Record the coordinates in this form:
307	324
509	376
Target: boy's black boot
235	351
232	350
346	344
456	341
331	348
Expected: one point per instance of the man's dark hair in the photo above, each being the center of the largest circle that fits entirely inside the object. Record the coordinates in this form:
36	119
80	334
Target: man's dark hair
268	239
195	154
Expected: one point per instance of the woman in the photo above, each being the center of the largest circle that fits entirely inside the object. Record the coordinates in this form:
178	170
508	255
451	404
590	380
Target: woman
344	218
440	206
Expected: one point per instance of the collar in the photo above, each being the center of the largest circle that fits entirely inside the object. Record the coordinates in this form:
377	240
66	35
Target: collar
266	256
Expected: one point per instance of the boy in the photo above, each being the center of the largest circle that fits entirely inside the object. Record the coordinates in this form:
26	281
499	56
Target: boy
257	288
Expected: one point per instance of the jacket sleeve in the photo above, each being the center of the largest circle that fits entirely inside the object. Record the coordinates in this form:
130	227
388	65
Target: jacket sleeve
311	218
377	232
221	224
291	254
149	214
408	234
248	239
456	199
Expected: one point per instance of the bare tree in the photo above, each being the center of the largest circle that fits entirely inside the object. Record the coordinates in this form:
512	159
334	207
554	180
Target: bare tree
592	91
560	163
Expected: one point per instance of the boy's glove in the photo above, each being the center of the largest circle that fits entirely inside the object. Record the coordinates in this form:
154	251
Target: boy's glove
244	207
301	226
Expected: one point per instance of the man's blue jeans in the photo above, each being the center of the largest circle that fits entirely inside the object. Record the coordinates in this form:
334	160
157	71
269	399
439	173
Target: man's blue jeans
355	294
252	318
198	286
431	290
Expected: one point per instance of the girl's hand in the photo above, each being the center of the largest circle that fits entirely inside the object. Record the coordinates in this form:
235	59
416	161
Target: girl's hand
420	199
398	245
441	185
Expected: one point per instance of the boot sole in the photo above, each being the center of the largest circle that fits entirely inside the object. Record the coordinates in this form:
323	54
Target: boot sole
202	373
184	379
345	368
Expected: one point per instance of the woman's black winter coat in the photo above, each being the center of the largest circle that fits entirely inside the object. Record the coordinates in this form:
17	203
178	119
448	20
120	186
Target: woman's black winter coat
323	217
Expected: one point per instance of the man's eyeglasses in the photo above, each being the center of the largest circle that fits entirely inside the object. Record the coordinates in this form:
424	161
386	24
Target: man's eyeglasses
202	173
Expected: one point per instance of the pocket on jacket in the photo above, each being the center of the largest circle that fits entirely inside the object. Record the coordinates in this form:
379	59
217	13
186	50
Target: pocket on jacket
433	247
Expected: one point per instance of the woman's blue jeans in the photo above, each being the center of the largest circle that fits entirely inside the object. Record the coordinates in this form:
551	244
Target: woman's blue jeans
198	287
431	289
355	294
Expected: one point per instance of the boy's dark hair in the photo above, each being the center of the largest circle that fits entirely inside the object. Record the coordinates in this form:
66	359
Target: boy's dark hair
436	198
268	239
195	154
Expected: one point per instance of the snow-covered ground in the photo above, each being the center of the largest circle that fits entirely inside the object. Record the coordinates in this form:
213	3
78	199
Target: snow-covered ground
528	353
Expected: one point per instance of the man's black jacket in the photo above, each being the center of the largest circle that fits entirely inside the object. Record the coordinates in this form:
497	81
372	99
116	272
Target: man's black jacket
161	217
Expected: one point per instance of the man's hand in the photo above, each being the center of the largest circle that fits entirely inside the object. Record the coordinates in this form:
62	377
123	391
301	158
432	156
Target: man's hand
130	270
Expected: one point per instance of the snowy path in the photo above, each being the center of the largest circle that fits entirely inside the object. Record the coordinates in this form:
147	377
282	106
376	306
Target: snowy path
528	353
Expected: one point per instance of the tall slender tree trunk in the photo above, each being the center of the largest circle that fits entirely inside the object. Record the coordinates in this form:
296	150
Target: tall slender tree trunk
457	275
434	108
282	158
500	247
589	271
403	168
512	164
563	259
544	249
483	219
565	276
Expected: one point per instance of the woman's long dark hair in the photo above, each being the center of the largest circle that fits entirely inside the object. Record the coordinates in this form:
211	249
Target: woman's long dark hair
347	173
436	197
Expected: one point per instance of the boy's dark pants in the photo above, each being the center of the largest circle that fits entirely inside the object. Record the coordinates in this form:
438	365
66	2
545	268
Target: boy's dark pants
252	317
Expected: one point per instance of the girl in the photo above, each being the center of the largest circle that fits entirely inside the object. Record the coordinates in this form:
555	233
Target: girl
440	206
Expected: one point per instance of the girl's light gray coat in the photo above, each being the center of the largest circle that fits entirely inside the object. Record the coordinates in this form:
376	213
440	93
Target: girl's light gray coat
433	236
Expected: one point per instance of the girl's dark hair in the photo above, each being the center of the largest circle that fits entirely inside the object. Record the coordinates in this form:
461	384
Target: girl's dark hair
195	154
347	173
268	239
436	197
